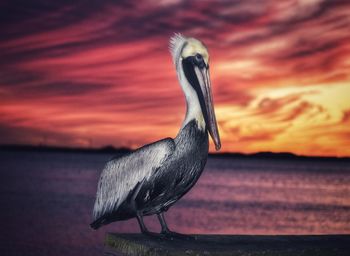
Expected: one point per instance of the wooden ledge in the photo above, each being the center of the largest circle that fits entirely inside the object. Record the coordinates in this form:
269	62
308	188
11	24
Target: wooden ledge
224	245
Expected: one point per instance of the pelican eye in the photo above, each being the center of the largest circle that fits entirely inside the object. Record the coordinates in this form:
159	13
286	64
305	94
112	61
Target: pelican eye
198	57
198	60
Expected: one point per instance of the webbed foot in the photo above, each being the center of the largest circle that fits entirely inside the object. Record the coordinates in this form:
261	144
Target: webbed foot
151	234
174	235
166	233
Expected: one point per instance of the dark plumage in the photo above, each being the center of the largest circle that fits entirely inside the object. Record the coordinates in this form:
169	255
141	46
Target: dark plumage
168	183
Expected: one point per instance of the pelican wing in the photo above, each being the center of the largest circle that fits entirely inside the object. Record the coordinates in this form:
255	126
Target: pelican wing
121	176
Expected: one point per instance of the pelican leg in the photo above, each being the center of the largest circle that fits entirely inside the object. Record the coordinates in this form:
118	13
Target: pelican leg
167	232
165	229
142	225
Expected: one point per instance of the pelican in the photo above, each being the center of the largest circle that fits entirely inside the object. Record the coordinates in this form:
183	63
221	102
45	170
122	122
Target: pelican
151	179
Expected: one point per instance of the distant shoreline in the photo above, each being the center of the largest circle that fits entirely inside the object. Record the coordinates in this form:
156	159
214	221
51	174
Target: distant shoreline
124	150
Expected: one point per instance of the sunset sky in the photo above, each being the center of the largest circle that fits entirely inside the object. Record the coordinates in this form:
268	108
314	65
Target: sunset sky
98	73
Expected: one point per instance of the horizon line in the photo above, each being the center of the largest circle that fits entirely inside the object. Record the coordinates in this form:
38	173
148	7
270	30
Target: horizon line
124	149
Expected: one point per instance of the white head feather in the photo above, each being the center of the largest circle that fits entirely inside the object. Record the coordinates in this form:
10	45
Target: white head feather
176	44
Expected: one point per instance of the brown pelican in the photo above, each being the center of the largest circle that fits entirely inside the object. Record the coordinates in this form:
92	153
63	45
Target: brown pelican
152	178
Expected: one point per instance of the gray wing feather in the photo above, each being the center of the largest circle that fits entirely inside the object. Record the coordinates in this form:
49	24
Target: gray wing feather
121	176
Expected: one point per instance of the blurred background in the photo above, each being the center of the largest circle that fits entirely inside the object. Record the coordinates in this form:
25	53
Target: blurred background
79	76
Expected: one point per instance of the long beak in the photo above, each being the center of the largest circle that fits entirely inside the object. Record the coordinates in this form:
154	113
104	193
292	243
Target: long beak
207	105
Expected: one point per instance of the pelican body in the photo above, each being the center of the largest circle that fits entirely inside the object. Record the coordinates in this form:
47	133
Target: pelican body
152	178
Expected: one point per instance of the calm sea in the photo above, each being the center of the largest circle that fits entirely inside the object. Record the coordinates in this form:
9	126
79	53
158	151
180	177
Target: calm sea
47	199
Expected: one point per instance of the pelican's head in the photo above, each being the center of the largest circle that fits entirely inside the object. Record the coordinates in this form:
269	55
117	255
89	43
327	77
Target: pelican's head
191	59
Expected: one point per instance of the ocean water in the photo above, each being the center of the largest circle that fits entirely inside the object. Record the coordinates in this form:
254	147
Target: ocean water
47	200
